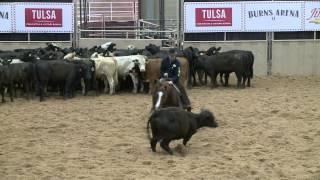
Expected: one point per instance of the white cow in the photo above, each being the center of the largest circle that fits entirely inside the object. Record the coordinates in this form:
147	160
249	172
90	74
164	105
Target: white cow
126	65
106	69
71	56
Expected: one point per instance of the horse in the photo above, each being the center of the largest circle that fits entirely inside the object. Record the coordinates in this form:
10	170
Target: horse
166	95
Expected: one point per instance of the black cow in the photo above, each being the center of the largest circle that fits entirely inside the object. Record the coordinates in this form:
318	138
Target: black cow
23	74
212	51
52	47
63	73
49	54
85	80
173	123
5	82
248	63
153	49
191	54
226	62
200	70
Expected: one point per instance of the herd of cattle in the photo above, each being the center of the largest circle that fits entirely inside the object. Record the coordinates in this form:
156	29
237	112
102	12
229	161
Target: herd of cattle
37	71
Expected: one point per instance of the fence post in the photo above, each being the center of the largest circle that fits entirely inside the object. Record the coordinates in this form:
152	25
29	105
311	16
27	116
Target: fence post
89	9
75	29
111	11
269	53
103	26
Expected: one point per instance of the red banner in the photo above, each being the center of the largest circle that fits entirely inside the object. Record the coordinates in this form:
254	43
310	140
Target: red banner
213	16
41	17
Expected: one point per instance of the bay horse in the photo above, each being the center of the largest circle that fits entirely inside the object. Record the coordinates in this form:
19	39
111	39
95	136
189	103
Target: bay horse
166	95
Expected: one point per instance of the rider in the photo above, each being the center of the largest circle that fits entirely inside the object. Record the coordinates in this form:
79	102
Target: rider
170	70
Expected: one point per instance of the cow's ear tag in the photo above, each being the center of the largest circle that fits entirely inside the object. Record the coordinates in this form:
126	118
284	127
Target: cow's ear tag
92	69
80	70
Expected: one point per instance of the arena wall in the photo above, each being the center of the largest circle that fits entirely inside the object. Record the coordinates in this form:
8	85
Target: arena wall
296	57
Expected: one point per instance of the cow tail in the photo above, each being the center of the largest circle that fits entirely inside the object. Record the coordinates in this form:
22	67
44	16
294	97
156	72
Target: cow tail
148	124
251	65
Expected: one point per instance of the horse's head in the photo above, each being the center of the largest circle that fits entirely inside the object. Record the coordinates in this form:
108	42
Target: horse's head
165	95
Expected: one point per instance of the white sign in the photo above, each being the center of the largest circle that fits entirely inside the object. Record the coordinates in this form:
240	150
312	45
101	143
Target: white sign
312	16
44	17
212	17
251	16
6	19
273	16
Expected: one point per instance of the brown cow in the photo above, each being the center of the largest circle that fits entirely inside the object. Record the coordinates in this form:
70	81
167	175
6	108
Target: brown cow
152	73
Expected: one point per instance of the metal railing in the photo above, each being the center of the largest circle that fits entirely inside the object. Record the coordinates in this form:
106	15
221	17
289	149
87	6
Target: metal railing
110	11
127	34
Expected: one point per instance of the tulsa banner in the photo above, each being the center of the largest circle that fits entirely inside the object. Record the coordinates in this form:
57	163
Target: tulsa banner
251	16
36	17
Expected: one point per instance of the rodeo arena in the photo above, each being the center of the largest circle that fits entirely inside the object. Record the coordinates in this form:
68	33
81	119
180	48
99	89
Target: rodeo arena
159	89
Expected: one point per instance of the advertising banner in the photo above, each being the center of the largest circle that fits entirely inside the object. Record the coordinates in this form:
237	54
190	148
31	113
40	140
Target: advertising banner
41	17
44	17
213	16
273	16
6	19
209	17
251	16
312	16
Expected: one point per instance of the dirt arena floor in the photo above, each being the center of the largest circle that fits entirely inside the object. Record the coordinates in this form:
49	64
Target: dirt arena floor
269	131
